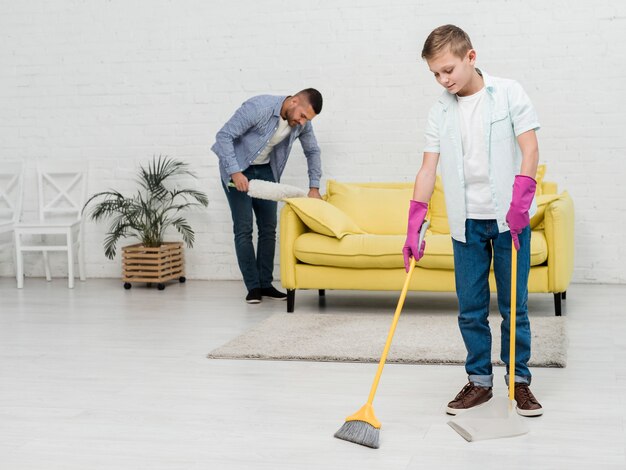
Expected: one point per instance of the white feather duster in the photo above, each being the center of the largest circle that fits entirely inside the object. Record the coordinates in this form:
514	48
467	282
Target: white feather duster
261	189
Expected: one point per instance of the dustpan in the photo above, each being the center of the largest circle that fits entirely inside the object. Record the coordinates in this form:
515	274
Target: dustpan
498	417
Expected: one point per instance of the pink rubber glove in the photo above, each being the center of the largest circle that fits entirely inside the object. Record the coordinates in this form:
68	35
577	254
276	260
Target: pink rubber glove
517	217
417	213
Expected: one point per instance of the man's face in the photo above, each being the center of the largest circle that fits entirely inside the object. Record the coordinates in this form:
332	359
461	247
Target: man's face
452	72
299	111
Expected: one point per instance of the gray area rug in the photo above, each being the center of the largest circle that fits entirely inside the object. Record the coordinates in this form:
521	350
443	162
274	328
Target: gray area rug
419	339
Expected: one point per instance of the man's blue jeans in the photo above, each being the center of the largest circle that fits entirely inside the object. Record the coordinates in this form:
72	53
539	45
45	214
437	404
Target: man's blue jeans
257	270
472	261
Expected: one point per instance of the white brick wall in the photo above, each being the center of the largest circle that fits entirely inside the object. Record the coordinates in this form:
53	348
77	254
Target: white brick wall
115	82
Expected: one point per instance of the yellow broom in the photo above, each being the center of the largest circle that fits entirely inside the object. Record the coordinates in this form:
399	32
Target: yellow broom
363	427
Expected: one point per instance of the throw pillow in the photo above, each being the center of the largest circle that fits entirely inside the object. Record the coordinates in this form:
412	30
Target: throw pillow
542	202
322	217
541	172
437	212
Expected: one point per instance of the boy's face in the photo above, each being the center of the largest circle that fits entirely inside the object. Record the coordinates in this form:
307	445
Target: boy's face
452	72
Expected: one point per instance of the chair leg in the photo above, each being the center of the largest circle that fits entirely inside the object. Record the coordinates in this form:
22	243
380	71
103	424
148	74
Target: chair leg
46	266
322	292
81	256
557	304
563	295
19	262
291	300
70	260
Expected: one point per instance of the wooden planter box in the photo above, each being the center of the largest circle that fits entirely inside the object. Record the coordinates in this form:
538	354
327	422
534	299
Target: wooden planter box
158	265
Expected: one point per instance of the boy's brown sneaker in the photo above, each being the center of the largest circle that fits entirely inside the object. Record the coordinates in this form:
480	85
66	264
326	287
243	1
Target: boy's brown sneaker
470	396
527	404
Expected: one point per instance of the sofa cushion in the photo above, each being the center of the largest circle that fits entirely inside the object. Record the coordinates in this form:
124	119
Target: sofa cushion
378	208
353	251
322	217
437	212
541	172
385	251
542	202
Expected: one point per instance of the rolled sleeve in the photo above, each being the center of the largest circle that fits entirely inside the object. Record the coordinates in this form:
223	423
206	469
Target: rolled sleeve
522	112
431	134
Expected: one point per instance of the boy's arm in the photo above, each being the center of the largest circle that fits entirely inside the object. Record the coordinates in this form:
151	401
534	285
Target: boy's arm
530	153
418	207
426	177
524	186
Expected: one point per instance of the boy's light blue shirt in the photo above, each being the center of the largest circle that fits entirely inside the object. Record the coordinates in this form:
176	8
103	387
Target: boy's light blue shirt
507	113
248	132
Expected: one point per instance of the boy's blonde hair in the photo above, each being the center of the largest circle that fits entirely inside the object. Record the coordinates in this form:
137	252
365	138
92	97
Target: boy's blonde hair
446	37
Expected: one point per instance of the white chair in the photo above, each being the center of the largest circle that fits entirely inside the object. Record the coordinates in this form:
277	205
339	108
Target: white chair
11	194
61	195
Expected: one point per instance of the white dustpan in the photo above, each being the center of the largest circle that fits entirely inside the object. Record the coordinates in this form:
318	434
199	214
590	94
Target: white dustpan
492	420
498	417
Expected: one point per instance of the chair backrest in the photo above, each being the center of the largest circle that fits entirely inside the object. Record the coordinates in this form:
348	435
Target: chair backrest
11	191
62	189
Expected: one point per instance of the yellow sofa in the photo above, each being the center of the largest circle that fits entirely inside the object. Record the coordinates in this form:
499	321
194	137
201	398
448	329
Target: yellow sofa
353	240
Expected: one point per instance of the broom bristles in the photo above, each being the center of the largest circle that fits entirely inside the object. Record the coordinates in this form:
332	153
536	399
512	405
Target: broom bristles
359	432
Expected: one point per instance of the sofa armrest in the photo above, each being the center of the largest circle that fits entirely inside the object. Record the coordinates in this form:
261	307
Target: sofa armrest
559	231
291	227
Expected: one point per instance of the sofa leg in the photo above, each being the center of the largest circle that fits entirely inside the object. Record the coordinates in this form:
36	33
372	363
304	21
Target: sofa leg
322	292
291	300
557	304
563	295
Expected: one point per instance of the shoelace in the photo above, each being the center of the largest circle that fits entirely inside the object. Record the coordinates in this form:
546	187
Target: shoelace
526	395
467	390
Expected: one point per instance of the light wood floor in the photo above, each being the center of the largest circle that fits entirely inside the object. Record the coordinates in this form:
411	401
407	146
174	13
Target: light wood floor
102	378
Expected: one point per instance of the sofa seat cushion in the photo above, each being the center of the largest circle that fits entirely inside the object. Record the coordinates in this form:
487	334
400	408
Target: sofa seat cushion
385	251
352	251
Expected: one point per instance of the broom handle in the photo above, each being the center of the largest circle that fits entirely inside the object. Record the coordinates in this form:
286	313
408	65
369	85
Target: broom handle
512	333
396	316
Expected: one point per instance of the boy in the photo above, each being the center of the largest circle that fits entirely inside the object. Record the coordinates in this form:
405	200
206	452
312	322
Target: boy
483	129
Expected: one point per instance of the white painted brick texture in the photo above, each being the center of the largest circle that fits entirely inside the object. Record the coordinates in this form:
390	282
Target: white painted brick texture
113	83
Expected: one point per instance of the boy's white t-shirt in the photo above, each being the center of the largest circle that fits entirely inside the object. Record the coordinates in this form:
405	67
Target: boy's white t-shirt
478	197
282	131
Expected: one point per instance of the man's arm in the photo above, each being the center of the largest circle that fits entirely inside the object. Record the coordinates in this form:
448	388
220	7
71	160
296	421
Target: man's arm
244	118
426	177
530	153
313	158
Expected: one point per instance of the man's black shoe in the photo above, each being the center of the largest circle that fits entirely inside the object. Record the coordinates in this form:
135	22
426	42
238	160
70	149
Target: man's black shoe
254	296
273	293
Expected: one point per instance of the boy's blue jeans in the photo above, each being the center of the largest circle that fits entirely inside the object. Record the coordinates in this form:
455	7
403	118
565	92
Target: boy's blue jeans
257	271
472	261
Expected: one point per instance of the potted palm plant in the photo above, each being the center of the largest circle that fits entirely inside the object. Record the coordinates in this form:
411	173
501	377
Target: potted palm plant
157	206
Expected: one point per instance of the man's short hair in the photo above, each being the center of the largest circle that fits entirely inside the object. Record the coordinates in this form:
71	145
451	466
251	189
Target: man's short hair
446	37
314	98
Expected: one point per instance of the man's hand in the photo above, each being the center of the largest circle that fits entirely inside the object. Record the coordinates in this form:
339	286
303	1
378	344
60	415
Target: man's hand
240	181
314	192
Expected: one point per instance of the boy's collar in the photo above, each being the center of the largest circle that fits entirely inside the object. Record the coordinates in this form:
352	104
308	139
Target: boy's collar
447	98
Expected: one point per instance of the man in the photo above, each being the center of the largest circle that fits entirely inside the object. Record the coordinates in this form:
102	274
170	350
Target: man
255	144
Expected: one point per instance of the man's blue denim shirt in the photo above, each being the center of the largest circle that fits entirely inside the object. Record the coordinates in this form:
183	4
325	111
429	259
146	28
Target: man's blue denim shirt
250	129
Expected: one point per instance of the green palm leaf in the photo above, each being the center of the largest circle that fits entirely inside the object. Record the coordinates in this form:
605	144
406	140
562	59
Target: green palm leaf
146	214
